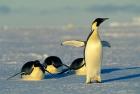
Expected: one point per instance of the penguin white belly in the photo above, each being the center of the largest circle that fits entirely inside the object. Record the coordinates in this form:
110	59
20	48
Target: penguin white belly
93	57
53	69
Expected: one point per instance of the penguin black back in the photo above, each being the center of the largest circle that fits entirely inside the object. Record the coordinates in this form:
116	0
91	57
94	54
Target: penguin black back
77	64
28	67
53	60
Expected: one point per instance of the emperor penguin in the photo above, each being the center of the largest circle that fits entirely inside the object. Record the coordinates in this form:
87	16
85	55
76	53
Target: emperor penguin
54	65
77	67
93	53
32	70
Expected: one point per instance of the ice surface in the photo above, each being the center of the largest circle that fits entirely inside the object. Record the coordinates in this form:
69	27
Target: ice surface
120	67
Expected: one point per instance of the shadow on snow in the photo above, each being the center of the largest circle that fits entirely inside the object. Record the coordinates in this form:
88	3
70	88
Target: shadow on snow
120	78
104	71
57	76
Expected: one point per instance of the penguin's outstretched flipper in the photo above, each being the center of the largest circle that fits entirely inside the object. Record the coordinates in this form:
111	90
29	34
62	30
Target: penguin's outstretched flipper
74	43
78	43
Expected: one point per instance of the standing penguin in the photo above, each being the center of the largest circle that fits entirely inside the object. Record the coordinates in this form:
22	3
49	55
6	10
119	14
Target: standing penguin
32	70
53	64
93	53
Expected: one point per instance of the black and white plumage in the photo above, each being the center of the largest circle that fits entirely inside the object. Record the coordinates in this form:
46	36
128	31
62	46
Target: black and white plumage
53	64
32	70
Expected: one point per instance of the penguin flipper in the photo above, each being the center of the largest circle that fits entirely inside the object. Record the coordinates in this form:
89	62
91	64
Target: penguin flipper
79	43
105	44
14	75
74	43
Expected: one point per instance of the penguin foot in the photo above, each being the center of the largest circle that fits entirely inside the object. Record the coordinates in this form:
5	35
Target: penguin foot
98	79
88	81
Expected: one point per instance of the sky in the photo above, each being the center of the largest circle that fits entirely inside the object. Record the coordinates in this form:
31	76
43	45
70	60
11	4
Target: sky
62	12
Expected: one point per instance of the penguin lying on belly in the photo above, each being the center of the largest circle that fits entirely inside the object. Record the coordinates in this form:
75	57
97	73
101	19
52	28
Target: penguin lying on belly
77	67
54	65
32	70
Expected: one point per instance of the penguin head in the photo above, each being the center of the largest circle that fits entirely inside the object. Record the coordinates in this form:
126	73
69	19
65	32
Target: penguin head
37	64
77	64
97	22
32	70
52	60
52	64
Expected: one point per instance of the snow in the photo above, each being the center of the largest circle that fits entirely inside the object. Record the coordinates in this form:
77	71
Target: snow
120	66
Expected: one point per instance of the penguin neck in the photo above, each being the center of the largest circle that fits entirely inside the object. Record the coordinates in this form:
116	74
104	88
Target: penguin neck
95	34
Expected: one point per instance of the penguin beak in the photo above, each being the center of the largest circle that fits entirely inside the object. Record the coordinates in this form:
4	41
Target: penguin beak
105	19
